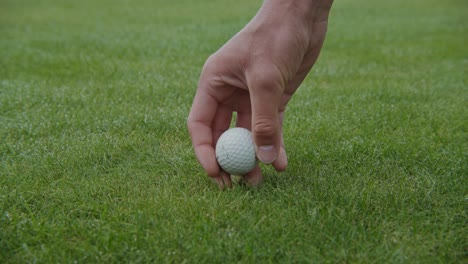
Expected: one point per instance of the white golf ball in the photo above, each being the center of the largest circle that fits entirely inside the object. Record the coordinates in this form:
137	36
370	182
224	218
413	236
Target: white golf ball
235	151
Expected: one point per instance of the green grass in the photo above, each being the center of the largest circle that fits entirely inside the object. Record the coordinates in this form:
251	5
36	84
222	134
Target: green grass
96	164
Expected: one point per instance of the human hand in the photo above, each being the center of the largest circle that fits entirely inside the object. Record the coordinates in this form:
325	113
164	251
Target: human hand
255	75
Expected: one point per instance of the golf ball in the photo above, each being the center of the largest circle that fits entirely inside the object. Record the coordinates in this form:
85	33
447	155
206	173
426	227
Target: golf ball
235	151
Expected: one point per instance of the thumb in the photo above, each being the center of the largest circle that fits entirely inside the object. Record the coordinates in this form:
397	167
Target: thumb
265	97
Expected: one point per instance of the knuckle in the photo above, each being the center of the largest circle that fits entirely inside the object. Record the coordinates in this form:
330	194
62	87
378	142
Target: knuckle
189	124
192	126
267	84
211	65
264	127
267	78
208	66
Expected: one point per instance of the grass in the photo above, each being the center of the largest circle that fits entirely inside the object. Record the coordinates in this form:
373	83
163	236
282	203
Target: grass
96	164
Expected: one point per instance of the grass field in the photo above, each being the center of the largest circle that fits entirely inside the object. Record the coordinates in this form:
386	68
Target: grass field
96	164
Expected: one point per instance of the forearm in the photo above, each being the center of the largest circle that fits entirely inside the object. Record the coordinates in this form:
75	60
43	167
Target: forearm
312	11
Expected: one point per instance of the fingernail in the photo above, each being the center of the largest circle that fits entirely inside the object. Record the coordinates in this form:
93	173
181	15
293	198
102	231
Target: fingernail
254	178
267	154
219	181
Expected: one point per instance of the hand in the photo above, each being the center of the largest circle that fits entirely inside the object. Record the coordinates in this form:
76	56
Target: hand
255	74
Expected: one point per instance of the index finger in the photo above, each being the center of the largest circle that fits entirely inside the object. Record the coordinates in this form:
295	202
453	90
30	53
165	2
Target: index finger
199	124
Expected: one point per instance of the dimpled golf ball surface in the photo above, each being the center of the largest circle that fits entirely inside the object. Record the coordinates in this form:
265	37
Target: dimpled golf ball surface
235	151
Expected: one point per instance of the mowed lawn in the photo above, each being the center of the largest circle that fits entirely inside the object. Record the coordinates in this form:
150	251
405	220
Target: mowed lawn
96	164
